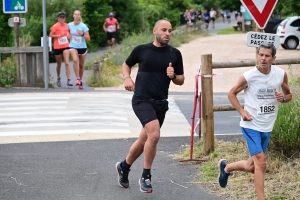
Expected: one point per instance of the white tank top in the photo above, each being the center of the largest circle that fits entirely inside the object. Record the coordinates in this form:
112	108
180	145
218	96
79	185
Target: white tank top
260	100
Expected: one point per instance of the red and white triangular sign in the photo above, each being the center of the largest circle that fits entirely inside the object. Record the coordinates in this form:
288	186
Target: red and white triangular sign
16	19
260	10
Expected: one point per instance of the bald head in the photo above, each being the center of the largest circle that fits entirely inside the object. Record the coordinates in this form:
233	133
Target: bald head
160	22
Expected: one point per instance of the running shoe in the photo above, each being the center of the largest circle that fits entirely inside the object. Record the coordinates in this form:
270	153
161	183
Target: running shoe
122	176
145	184
80	85
69	83
78	82
58	82
223	176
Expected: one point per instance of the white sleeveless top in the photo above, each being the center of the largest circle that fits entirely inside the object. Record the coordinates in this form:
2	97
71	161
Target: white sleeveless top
260	99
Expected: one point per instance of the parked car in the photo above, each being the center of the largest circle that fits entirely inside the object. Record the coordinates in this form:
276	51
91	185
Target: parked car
272	24
289	32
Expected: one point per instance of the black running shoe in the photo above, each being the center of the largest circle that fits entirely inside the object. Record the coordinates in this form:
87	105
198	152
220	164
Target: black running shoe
145	185
122	176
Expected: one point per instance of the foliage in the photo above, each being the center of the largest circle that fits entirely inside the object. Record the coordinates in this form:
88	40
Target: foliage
110	75
229	30
285	136
34	24
6	32
288	7
8	72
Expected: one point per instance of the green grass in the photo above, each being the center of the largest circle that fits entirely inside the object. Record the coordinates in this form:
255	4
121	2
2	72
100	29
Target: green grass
229	30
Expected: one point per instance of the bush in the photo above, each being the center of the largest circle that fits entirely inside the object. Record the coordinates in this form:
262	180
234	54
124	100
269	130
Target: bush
285	136
110	75
8	72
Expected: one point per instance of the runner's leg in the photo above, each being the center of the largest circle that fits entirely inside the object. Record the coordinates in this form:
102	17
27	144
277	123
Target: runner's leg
66	55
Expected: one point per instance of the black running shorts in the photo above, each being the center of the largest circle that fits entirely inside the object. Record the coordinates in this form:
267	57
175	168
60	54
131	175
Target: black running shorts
110	35
59	51
148	110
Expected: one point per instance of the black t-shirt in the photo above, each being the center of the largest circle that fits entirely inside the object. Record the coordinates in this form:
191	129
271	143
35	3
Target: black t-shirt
152	80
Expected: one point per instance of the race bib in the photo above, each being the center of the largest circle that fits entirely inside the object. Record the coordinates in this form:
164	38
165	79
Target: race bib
266	110
76	39
63	40
111	28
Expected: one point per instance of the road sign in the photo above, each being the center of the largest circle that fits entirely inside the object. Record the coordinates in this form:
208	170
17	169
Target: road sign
14	6
260	10
254	39
22	22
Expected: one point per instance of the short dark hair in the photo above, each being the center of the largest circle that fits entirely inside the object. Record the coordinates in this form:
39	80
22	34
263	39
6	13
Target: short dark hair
268	46
61	13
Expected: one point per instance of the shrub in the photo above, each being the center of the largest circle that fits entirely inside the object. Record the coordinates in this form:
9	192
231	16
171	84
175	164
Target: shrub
285	136
8	72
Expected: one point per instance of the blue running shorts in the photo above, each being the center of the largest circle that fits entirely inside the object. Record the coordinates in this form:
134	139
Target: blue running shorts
256	141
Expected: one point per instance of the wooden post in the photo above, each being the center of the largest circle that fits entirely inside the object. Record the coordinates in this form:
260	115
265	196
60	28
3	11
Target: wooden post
96	71
207	104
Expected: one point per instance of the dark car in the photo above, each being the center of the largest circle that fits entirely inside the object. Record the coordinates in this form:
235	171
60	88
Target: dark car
272	25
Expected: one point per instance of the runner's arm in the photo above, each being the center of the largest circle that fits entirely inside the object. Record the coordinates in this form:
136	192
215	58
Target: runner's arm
232	96
286	89
104	26
128	82
179	80
54	36
118	25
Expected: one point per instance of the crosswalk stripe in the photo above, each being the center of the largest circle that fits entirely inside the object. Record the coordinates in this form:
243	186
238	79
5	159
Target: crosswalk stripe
32	103
34	108
73	114
67	118
83	112
60	132
60	124
33	98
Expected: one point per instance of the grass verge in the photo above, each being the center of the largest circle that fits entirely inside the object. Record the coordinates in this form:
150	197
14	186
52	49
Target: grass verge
281	181
229	30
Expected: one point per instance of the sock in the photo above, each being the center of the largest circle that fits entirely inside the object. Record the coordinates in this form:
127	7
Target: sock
226	170
78	78
146	173
125	165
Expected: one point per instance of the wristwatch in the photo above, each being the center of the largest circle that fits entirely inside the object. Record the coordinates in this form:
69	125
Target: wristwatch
283	98
174	76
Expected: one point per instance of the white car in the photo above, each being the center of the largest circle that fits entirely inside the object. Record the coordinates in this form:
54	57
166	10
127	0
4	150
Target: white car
289	32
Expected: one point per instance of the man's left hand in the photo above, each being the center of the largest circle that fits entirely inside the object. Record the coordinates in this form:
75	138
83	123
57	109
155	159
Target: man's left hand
170	71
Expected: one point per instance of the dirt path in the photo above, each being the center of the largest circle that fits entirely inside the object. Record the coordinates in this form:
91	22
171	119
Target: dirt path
223	48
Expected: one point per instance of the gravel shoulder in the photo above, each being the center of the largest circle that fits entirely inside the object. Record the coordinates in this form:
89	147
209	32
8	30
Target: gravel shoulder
223	48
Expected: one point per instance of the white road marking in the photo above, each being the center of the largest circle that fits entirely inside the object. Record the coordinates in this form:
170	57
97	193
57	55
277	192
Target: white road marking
61	132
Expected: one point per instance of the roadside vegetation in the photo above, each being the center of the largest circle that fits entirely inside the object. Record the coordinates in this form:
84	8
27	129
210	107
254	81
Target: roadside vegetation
283	158
229	30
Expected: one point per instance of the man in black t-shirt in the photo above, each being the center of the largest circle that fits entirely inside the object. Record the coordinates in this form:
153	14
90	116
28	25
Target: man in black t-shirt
159	64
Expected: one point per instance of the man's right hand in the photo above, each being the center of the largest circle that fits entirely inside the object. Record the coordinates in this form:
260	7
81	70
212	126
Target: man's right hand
129	84
246	116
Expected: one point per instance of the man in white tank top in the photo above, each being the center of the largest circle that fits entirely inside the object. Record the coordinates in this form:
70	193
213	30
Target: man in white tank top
262	88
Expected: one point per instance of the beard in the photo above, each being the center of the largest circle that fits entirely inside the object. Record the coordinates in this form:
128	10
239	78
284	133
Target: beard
161	41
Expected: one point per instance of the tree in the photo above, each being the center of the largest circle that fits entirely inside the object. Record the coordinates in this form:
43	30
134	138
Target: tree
6	32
